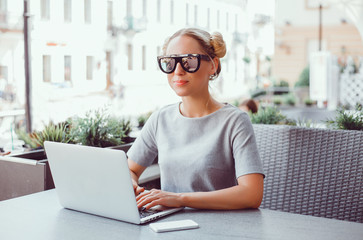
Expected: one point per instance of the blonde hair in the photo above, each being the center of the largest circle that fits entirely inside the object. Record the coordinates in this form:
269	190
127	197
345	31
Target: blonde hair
212	44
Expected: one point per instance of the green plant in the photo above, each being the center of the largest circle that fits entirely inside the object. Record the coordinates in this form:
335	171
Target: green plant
290	99
235	103
270	115
100	130
277	101
304	78
308	102
141	120
307	123
283	83
27	138
54	133
348	120
246	59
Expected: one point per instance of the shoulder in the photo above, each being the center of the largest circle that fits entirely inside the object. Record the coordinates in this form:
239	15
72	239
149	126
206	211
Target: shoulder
231	112
235	119
163	112
169	108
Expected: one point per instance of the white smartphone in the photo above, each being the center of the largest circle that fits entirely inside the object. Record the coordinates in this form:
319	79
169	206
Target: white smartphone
173	225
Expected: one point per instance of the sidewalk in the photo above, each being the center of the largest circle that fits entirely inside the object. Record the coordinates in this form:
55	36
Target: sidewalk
317	115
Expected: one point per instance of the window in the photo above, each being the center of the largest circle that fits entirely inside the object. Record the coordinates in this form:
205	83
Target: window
144	8
3	73
89	67
46	68
109	14
158	11
227	22
143	67
67	68
87	11
3	6
187	14
172	12
3	81
195	15
236	22
129	56
67	10
45	9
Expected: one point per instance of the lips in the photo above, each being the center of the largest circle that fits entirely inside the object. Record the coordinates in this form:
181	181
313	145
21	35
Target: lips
180	82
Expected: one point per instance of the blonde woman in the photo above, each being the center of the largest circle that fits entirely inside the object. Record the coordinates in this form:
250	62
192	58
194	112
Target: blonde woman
206	150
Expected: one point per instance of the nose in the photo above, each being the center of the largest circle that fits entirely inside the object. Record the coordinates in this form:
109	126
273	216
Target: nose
179	69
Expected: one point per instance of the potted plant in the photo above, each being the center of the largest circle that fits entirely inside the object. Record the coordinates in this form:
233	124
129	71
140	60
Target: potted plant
29	172
348	120
308	102
277	101
290	99
270	115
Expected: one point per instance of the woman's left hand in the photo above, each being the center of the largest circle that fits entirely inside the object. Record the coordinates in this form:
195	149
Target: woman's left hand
155	197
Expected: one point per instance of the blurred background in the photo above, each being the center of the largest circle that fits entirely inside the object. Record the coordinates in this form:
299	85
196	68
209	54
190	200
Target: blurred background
61	58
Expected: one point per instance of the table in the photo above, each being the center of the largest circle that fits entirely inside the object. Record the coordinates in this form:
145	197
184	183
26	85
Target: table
39	216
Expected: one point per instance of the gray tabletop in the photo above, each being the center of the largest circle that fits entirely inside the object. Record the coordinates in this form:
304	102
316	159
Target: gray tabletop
39	216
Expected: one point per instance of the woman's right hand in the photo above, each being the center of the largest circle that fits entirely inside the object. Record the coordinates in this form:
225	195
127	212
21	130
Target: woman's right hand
137	188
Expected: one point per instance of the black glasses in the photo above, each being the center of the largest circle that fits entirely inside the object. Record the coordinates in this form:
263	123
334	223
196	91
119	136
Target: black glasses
189	62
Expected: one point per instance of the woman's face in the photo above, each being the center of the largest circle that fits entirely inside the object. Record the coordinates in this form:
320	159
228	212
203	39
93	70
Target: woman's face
184	83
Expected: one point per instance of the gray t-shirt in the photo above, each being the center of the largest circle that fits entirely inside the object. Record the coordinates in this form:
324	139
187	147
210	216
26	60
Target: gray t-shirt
198	154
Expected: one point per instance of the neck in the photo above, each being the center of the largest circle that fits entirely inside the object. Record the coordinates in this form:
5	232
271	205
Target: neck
194	107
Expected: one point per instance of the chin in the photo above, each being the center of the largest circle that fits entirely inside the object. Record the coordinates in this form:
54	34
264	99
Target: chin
180	92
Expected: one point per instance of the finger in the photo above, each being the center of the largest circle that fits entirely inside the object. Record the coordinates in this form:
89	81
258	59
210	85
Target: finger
146	200
141	195
153	204
139	190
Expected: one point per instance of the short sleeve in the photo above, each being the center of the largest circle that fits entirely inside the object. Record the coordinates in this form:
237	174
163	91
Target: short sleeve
245	152
144	150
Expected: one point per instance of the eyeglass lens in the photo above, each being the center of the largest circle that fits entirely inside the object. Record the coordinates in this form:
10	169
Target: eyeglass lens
189	63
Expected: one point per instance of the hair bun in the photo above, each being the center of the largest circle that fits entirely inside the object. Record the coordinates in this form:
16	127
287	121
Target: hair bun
218	44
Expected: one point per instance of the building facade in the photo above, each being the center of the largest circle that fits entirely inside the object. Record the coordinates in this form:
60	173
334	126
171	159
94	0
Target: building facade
297	35
81	47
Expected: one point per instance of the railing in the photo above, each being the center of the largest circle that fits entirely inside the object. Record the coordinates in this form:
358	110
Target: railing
351	87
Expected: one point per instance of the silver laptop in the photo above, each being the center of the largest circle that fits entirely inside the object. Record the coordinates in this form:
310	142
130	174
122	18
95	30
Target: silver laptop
97	181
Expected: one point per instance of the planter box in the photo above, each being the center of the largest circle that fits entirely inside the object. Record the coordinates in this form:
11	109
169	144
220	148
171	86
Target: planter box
27	173
24	174
309	171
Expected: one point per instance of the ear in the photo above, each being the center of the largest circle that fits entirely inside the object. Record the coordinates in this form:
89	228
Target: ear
215	63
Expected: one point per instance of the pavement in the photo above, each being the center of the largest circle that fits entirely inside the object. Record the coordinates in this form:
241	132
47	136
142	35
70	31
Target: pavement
315	114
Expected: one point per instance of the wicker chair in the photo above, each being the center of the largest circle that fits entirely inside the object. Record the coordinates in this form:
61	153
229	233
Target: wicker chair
316	172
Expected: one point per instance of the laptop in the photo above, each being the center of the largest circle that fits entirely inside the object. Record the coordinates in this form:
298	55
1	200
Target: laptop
97	181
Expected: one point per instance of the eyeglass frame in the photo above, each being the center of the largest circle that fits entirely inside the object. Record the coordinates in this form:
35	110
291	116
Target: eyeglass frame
178	59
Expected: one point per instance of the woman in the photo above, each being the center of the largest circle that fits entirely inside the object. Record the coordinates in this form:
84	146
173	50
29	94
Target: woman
206	149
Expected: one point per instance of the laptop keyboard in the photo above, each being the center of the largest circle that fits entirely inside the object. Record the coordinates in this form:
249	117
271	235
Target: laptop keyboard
145	213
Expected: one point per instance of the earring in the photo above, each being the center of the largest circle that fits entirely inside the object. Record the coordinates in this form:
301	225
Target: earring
212	77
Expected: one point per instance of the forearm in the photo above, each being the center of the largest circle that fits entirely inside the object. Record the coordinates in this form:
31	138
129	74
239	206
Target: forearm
134	176
247	194
236	197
